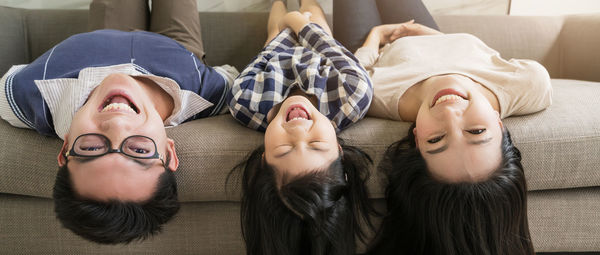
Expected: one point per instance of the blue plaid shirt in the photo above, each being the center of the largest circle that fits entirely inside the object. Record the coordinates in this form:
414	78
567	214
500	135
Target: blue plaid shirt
312	61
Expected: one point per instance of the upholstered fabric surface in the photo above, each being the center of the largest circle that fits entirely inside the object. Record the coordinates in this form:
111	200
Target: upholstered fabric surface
514	36
29	227
12	40
560	146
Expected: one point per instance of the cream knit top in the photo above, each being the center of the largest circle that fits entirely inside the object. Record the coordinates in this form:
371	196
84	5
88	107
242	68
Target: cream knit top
521	86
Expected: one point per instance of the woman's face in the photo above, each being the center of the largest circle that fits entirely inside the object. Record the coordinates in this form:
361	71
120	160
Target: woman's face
299	138
457	130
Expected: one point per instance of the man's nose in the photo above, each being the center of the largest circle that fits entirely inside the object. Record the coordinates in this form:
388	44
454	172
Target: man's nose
116	124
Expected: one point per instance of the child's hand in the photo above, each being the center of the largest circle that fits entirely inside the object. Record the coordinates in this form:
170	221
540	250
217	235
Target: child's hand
389	33
294	20
384	34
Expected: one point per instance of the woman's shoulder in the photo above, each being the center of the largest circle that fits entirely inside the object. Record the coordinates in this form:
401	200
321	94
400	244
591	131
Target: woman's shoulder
530	91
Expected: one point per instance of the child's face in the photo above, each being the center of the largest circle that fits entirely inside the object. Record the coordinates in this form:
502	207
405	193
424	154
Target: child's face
299	138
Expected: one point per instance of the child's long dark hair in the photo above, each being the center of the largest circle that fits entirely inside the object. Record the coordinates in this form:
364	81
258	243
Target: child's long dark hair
320	212
428	216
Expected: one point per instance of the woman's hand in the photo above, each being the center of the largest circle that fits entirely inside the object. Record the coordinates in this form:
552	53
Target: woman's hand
294	20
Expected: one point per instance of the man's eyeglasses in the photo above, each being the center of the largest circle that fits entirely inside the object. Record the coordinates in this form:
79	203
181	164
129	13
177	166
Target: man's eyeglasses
97	145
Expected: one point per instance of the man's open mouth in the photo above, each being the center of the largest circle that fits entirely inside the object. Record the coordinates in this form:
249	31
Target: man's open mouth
118	101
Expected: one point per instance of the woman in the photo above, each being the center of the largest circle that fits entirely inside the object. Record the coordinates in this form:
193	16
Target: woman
455	182
303	191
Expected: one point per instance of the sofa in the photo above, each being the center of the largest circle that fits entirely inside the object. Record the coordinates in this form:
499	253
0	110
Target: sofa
560	145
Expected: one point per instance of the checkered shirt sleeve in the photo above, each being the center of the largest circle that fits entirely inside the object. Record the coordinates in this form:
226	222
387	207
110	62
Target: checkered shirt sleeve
346	99
314	62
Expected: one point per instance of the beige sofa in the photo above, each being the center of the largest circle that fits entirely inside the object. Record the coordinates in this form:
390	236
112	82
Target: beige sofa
561	145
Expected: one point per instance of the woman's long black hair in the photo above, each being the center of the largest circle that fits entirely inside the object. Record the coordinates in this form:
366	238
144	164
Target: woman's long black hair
320	212
428	216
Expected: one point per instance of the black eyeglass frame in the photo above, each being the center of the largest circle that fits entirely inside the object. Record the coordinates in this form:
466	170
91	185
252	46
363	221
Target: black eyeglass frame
72	152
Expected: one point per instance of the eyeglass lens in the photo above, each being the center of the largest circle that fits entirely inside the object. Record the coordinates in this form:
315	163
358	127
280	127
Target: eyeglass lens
136	146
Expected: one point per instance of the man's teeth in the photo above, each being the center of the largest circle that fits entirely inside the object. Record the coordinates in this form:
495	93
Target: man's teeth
448	97
118	107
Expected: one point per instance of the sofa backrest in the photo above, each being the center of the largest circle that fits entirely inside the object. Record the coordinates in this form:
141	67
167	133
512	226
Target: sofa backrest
229	38
568	46
234	38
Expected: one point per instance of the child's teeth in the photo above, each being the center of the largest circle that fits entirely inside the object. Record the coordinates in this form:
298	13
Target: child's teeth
298	118
118	106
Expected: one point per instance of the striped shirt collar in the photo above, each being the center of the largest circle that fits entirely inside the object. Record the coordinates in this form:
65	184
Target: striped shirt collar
65	96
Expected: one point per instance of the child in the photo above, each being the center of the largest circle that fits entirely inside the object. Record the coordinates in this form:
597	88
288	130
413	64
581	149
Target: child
303	191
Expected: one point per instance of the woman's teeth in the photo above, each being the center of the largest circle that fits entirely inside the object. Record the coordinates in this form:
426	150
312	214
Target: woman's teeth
118	107
448	97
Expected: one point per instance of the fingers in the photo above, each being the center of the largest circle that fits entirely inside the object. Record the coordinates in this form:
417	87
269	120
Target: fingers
413	29
317	16
397	34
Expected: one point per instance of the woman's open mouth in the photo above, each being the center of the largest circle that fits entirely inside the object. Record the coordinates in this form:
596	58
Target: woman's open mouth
448	95
297	112
118	101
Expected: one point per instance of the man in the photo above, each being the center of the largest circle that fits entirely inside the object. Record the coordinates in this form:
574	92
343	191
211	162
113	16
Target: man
109	95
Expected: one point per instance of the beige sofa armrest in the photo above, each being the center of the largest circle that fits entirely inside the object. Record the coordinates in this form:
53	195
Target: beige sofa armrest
580	47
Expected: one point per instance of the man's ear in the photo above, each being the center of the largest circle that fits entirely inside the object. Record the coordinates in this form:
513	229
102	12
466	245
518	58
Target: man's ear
174	161
415	134
61	154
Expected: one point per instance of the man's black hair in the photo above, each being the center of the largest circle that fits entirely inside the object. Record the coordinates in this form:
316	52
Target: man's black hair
115	221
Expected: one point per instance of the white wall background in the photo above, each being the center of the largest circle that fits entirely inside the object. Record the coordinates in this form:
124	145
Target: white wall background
553	7
435	6
474	7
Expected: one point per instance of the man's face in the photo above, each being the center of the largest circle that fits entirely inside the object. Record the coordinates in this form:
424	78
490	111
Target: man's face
121	106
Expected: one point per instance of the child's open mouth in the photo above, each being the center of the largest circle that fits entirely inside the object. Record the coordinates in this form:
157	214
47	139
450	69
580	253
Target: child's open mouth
297	112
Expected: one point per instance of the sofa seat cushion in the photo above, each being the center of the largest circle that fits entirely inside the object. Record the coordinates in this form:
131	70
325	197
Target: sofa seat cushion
560	147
